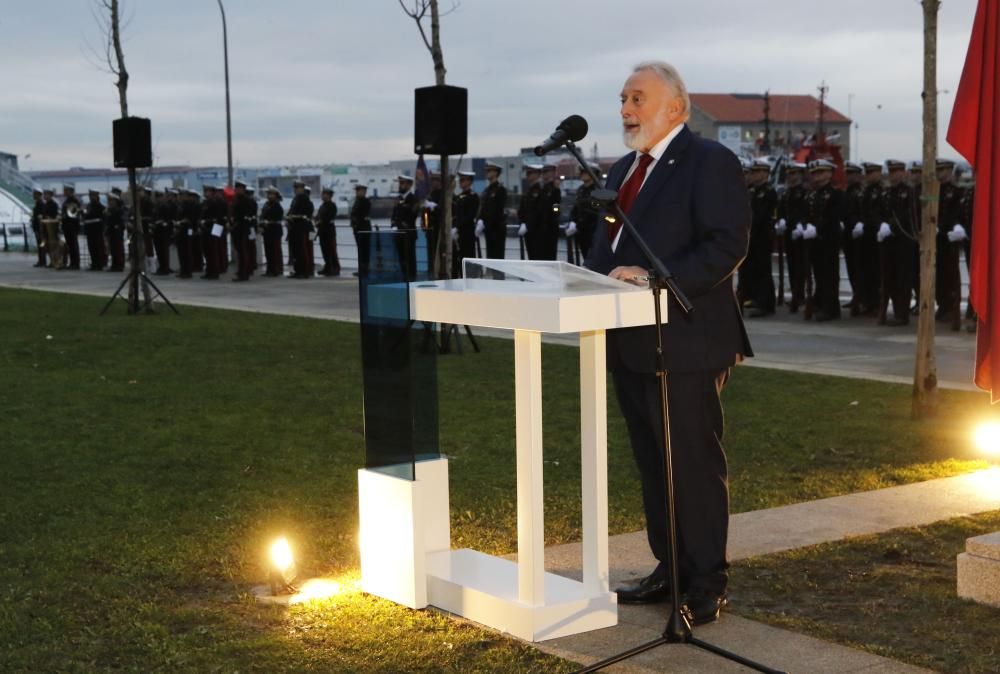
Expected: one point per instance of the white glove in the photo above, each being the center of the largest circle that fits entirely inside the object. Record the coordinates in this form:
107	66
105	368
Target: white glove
884	232
430	205
454	233
522	230
858	231
810	232
571	228
841	225
780	226
480	227
797	232
957	233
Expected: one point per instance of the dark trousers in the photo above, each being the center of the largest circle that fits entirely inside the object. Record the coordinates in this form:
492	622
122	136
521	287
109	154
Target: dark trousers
867	266
184	253
798	268
72	233
948	283
116	242
161	246
273	257
328	246
897	274
824	257
756	282
222	250
699	466
95	245
197	254
40	244
849	245
244	255
210	247
362	238
496	241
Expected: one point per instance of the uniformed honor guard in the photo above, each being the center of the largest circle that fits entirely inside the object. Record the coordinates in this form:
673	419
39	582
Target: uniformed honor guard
38	228
244	221
897	234
492	213
93	227
431	214
187	223
916	173
70	215
299	216
530	212
466	207
968	201
790	227
146	210
328	233
824	206
552	198
755	287
255	239
165	210
864	232
211	230
361	225
403	219
50	220
271	216
114	226
951	235
583	217
851	233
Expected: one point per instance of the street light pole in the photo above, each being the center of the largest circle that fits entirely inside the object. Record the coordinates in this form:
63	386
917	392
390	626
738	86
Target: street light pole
229	127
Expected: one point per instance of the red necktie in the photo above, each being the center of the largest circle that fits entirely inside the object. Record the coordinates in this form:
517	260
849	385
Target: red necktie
628	193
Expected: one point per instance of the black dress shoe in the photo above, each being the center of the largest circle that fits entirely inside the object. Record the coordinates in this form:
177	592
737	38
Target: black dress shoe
652	589
896	322
703	606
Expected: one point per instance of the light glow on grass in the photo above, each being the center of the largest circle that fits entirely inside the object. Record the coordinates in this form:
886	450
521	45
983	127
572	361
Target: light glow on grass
987	438
316	589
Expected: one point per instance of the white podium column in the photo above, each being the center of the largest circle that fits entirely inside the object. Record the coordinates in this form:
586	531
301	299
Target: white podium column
530	503
594	460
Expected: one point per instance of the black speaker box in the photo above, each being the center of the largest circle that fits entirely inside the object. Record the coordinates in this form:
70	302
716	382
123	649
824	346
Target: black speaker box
133	142
440	123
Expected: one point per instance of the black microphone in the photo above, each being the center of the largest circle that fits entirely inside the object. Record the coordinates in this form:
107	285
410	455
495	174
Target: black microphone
573	128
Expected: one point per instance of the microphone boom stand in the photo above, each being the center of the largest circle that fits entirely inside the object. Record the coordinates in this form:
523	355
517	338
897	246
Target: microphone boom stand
678	626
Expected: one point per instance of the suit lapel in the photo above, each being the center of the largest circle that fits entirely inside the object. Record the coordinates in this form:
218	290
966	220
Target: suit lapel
661	173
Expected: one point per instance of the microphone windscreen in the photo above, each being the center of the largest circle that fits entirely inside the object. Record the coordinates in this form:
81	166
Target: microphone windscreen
575	127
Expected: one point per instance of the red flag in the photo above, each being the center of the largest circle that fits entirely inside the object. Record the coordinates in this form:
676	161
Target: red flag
974	131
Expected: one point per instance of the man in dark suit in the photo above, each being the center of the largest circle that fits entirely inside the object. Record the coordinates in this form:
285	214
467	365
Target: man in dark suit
687	198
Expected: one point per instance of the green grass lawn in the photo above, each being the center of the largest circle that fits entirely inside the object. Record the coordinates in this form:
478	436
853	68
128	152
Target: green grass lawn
892	594
147	461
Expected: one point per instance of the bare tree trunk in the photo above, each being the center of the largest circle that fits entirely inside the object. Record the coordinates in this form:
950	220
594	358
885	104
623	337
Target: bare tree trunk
444	242
925	392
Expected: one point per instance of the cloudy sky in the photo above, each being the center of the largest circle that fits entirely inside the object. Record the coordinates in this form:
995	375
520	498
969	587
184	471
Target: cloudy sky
324	81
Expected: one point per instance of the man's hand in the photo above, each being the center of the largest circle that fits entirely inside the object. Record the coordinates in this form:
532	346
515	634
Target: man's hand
637	276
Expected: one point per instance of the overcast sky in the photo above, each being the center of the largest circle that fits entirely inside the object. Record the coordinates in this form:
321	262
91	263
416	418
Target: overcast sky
329	81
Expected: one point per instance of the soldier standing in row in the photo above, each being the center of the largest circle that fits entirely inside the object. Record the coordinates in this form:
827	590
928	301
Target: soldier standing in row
866	246
583	217
552	200
897	234
530	212
114	227
466	206
300	213
328	233
951	235
70	214
244	222
852	233
38	228
361	226
822	236
791	216
163	228
968	202
403	219
492	213
756	282
271	215
211	229
50	220
93	226
431	215
187	223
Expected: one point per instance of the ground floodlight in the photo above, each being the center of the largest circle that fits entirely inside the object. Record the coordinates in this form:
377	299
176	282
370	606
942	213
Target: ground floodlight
987	438
282	576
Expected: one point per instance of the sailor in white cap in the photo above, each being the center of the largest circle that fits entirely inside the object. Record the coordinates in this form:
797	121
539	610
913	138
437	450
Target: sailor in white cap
789	228
327	233
531	213
951	238
464	220
38	228
361	226
755	287
50	221
70	213
271	216
404	219
852	232
492	214
93	227
583	217
301	232
822	237
552	198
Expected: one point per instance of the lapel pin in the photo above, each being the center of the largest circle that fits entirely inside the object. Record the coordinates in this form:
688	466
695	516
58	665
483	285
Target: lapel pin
670	162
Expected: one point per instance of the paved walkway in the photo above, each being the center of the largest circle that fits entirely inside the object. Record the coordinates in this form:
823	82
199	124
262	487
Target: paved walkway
760	533
851	348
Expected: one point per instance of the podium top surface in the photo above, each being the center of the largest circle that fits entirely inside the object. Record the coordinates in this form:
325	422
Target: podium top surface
540	295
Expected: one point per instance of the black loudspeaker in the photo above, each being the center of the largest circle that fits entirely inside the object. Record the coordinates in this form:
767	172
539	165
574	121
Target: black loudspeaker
440	124
133	142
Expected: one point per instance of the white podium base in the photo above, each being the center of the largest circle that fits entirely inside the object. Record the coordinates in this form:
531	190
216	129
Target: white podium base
483	588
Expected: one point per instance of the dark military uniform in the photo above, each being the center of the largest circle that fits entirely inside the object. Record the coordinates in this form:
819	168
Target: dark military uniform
93	225
211	221
146	209
403	219
244	223
49	217
901	212
948	282
271	215
115	217
968	202
531	212
465	208
39	229
585	215
163	229
825	212
328	238
361	225
756	281
866	248
71	229
852	215
492	203
792	209
300	227
552	205
187	227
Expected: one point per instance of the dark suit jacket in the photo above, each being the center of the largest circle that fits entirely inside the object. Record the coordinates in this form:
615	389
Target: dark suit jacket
694	212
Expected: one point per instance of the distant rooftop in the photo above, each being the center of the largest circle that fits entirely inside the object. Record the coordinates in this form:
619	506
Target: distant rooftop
749	108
